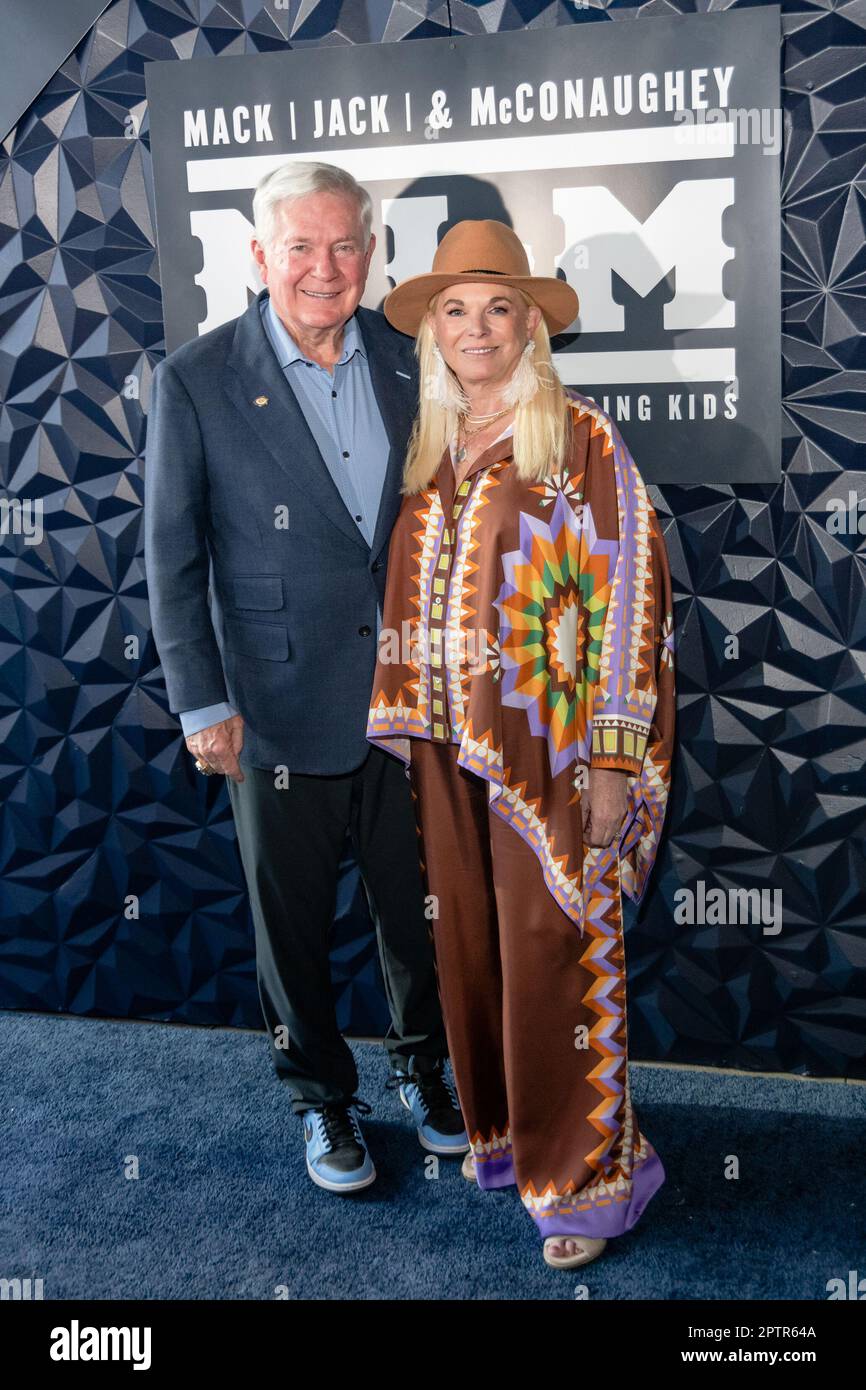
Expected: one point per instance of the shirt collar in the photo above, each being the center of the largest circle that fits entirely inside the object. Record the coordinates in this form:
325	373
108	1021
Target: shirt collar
286	348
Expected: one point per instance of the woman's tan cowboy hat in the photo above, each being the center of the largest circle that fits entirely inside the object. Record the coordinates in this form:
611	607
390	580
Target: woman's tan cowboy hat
487	251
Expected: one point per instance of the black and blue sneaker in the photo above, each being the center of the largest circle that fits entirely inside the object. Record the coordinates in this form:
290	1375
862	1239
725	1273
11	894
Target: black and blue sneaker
433	1103
337	1156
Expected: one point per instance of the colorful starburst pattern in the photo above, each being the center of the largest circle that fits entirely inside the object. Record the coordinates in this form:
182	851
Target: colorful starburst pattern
552	607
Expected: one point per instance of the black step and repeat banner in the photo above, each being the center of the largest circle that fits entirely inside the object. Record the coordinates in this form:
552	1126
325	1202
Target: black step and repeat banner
640	162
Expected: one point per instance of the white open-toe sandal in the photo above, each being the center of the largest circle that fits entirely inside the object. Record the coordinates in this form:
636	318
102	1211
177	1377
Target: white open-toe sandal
590	1248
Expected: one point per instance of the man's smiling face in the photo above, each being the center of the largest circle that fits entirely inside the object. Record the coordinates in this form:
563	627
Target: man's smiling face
316	264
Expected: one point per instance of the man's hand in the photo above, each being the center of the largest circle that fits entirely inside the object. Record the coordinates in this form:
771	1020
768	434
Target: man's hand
603	805
219	746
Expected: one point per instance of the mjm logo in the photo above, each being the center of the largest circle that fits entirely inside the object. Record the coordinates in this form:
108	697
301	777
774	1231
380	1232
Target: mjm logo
21	1288
682	237
76	1343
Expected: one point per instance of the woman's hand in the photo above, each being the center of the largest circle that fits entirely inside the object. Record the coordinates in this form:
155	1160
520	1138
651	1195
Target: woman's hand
603	805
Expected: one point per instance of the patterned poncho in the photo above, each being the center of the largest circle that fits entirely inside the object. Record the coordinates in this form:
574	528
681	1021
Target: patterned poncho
532	624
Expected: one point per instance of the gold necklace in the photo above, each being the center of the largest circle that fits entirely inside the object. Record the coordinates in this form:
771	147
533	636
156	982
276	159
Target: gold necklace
467	434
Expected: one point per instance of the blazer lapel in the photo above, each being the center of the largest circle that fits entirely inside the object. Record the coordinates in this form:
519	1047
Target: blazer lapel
394	385
253	373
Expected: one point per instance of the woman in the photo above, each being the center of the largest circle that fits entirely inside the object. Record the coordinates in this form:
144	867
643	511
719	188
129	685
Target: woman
525	676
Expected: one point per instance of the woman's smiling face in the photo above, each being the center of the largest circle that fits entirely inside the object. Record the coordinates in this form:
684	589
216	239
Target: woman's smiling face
481	330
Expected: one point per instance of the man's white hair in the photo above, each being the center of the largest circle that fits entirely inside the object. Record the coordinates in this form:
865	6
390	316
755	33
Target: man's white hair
298	179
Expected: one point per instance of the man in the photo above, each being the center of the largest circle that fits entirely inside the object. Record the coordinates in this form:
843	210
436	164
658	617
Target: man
275	452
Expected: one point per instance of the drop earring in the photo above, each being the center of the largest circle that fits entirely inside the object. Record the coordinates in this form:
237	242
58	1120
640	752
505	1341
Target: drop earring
442	386
524	381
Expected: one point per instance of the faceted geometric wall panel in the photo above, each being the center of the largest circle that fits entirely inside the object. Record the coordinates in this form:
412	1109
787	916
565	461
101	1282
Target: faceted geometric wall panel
122	892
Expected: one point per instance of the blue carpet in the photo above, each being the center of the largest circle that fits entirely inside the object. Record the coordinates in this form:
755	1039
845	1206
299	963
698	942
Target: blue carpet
222	1206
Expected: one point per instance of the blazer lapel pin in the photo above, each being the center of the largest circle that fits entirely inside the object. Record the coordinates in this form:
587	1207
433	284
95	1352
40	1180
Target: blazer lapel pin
260	400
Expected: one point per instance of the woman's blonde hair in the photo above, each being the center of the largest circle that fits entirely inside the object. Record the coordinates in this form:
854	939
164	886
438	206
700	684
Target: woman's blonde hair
542	425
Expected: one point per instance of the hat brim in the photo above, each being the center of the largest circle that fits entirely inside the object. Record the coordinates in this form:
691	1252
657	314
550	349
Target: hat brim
406	305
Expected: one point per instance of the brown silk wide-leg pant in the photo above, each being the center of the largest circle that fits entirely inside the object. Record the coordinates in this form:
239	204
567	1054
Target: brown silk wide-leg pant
540	1067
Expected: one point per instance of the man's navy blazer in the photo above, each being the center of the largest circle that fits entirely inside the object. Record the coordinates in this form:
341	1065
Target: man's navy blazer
262	589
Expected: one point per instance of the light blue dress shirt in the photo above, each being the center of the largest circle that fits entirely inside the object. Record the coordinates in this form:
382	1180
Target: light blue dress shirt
344	419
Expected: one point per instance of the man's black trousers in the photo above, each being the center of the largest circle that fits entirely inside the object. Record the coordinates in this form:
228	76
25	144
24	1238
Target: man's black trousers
291	841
